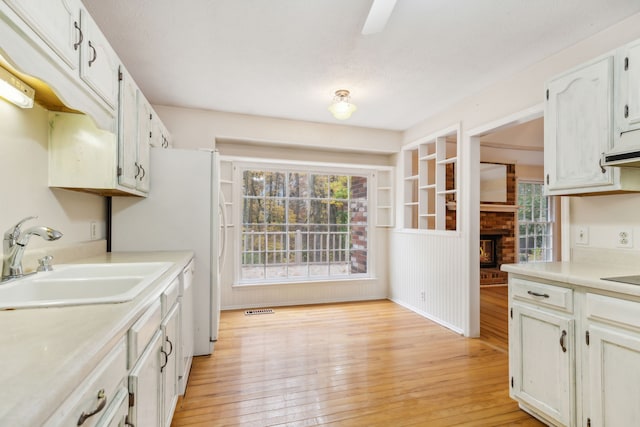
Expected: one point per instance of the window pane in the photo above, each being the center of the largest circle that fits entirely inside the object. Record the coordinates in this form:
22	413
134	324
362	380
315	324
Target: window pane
319	186
253	183
298	211
298	185
274	184
274	211
319	212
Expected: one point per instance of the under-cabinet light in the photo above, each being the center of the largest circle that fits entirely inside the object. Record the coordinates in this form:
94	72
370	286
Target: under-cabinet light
15	90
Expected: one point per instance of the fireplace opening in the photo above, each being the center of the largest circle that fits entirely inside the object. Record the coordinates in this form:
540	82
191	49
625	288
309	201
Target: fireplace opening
488	251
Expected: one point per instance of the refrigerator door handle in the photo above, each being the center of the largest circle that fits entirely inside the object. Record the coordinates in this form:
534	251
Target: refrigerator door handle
223	214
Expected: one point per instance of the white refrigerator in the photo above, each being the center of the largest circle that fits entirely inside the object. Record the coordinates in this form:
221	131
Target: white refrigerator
181	212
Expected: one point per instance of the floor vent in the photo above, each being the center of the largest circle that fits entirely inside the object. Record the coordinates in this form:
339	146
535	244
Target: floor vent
258	311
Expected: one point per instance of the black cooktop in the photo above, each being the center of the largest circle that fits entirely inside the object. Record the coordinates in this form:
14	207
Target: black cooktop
632	280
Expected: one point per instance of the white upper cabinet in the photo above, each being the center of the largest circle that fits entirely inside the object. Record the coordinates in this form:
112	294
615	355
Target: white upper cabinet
99	64
577	126
145	114
57	22
627	99
57	42
133	138
128	131
578	130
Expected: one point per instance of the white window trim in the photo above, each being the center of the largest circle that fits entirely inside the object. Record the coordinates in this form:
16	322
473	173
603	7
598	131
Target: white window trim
241	164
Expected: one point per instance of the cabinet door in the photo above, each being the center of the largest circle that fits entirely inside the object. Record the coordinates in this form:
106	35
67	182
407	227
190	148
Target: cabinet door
614	357
144	134
628	94
99	64
541	362
145	384
57	22
170	327
186	326
578	128
128	131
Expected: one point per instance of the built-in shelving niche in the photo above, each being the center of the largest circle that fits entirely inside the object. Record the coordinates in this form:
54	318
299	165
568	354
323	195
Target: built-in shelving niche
430	176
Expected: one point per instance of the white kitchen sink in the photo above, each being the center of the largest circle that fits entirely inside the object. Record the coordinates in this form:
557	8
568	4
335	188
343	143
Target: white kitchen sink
78	284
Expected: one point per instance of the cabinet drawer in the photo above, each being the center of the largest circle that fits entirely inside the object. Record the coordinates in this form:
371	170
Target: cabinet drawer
170	296
613	310
96	393
542	294
117	411
141	332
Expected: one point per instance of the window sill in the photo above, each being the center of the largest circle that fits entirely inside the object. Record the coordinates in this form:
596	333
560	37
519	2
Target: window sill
318	281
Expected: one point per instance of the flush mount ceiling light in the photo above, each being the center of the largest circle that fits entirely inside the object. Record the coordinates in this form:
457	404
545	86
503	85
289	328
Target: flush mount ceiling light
342	108
15	90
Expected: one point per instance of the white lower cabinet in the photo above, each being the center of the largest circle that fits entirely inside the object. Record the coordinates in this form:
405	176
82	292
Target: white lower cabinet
542	352
145	386
94	398
138	380
574	355
185	355
613	354
170	327
153	381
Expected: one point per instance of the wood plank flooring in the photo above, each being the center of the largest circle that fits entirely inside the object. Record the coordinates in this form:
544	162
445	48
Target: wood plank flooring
494	312
353	364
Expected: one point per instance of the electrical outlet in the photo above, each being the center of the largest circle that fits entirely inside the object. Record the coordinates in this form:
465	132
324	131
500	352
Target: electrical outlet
93	230
582	235
624	238
422	296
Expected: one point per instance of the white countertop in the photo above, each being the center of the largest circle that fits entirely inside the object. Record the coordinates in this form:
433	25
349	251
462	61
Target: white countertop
586	275
46	352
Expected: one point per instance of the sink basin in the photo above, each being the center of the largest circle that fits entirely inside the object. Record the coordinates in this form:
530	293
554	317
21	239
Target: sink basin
78	284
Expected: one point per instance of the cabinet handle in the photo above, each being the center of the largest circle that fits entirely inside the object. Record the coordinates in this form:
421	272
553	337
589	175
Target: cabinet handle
80	36
127	422
626	111
562	337
102	402
535	294
170	346
144	172
137	170
602	169
95	54
166	360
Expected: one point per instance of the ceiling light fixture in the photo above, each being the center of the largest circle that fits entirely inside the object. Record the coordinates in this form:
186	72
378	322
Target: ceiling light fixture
15	90
342	108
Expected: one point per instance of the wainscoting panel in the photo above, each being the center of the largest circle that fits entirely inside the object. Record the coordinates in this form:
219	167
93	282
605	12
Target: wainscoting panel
427	276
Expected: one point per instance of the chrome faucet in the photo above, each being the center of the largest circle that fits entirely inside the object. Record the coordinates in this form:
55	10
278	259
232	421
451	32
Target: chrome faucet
14	244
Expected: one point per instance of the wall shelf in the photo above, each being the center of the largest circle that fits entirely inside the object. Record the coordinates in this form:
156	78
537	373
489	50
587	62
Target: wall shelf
430	182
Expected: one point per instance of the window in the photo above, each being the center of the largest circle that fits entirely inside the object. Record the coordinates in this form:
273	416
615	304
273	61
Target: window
302	225
535	223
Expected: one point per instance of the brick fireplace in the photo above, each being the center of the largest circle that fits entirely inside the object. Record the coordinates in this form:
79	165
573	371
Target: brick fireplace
497	234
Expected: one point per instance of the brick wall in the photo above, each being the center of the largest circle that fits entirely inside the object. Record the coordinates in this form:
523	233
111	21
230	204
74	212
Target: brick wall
358	212
504	225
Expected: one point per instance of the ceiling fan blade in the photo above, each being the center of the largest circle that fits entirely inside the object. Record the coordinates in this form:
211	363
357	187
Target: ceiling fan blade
379	14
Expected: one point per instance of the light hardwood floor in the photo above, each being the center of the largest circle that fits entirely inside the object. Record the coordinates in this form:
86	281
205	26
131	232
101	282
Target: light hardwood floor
353	364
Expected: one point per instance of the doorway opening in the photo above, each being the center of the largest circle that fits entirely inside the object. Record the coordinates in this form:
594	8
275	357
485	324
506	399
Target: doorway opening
518	144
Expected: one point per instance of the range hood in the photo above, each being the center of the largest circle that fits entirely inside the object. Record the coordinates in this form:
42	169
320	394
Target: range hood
626	152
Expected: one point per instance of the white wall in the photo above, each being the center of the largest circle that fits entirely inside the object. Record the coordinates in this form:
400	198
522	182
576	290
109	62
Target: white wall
193	128
244	136
24	191
515	96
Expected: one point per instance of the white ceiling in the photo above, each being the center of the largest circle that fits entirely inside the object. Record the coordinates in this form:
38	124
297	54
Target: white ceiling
285	58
